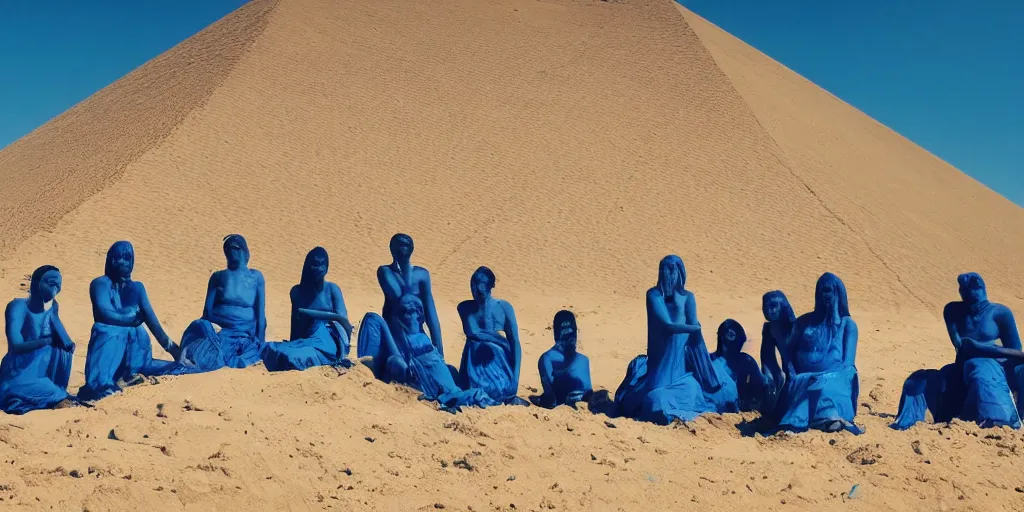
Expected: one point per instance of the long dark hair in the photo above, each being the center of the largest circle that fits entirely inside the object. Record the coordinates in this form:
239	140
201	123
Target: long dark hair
37	278
722	349
317	252
108	269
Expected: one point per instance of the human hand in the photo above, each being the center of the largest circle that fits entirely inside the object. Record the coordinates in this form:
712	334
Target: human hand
173	349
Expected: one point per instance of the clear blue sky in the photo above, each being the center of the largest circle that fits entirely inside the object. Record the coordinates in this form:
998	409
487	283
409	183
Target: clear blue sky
947	75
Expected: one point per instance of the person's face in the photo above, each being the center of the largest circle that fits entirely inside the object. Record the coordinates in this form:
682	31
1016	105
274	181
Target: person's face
773	310
235	256
49	286
828	297
566	334
730	335
972	293
402	249
410	316
669	274
478	285
318	267
122	262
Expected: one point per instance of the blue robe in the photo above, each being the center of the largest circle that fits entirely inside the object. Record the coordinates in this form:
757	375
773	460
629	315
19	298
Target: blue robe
813	398
206	349
370	343
978	390
488	366
117	353
34	380
419	366
326	345
671	390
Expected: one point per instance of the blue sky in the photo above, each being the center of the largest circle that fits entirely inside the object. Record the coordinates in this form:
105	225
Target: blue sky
945	74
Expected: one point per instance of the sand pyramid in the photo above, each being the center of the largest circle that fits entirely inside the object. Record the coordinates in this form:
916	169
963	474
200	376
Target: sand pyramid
567	144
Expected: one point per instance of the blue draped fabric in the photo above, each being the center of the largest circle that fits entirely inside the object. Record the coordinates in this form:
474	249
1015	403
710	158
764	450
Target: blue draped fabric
988	399
34	380
370	343
206	349
726	398
428	372
661	397
940	392
420	366
488	366
326	345
978	390
117	353
811	399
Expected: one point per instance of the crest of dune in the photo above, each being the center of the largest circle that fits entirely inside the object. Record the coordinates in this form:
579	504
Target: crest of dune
566	144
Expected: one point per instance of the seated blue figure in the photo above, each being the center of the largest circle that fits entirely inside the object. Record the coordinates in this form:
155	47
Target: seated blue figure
779	319
320	330
564	372
491	359
416	362
978	385
397	279
119	351
669	382
35	371
743	384
822	381
235	303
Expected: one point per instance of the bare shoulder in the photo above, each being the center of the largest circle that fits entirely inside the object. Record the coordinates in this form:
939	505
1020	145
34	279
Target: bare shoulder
1002	310
17	305
257	274
333	287
654	293
421	273
851	324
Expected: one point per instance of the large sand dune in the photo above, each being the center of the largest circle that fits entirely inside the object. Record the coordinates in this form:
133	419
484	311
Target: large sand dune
568	145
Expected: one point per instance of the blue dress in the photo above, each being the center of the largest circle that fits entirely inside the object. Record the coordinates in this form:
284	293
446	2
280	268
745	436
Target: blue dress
117	353
326	345
813	398
234	346
978	390
660	387
488	366
429	373
34	380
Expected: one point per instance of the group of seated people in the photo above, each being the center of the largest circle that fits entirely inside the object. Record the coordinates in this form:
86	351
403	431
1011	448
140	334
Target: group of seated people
816	386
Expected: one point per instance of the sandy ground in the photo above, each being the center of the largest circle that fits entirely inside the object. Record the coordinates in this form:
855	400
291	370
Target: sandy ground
568	145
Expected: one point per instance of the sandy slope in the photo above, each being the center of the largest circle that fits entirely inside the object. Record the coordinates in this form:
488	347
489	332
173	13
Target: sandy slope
566	144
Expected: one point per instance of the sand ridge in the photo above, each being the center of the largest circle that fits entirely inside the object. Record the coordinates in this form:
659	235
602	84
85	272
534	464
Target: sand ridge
568	145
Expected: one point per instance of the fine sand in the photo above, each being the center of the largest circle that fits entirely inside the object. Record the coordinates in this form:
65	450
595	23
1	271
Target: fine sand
568	145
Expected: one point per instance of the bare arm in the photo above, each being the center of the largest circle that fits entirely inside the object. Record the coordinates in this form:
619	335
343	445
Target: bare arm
791	347
850	343
59	332
768	359
546	369
1008	333
472	332
430	311
338	299
389	284
261	306
511	329
14	316
105	313
211	297
656	307
154	323
954	335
